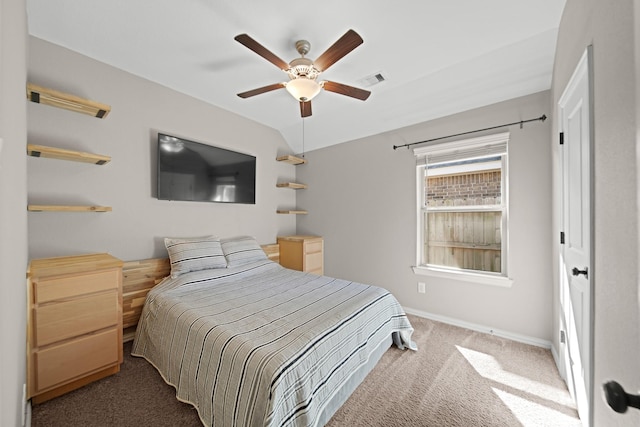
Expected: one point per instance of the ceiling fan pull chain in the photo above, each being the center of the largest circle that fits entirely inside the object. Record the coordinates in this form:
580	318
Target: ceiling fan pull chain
303	137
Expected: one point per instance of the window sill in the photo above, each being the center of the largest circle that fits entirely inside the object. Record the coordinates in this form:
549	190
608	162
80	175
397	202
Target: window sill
481	279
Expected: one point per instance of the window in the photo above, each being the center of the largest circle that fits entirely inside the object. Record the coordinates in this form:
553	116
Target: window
462	207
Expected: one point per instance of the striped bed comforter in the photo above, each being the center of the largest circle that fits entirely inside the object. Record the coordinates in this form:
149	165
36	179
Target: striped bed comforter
261	345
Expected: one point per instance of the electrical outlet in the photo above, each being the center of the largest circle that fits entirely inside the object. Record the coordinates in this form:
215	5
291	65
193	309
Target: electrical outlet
422	288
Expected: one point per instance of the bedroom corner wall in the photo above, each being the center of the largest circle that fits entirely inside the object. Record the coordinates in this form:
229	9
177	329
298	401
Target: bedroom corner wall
13	216
140	108
362	199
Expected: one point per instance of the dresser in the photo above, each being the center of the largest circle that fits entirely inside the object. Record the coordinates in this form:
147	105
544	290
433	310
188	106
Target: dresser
304	253
74	322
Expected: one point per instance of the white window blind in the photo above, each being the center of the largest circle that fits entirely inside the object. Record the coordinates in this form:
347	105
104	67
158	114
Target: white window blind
474	148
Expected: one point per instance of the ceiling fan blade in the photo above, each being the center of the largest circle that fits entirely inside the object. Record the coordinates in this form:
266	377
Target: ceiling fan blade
260	90
246	40
343	89
345	44
305	108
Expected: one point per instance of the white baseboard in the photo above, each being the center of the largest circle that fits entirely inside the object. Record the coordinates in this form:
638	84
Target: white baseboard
556	359
482	328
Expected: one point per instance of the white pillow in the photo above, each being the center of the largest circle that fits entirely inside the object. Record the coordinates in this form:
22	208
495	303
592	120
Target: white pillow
242	250
194	253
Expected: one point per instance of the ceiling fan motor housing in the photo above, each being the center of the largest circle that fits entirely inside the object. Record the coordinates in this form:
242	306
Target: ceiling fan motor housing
302	68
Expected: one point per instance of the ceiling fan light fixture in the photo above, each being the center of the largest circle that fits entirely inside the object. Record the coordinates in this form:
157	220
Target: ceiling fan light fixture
303	89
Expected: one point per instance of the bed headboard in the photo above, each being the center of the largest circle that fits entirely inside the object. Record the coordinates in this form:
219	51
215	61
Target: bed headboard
142	275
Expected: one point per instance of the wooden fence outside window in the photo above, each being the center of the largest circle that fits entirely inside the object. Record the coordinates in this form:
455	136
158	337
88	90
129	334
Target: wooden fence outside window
458	236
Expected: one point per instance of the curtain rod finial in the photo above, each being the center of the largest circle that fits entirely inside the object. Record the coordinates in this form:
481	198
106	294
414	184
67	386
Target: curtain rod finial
543	117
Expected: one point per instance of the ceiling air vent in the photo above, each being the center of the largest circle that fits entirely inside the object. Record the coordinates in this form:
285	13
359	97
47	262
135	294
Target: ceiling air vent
373	79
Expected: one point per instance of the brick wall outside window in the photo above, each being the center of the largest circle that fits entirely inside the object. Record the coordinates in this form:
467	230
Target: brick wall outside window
474	188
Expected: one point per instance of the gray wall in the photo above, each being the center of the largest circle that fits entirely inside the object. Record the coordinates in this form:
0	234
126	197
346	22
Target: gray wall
609	26
362	199
13	218
140	108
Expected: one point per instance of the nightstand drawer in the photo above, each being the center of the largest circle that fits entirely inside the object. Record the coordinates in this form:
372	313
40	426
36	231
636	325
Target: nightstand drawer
61	320
313	247
313	263
64	287
68	361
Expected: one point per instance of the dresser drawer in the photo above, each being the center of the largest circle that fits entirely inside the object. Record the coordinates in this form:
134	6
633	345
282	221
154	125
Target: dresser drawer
61	320
62	363
57	288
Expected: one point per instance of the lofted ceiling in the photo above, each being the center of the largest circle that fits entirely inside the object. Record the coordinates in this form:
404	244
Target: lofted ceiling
436	57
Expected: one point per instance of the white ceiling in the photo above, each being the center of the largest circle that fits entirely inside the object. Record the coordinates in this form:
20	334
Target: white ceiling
439	57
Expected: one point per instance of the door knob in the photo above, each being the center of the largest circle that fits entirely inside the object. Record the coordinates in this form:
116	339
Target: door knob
618	399
577	272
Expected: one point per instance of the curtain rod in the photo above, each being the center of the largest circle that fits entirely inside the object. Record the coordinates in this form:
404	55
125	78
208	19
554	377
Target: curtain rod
542	118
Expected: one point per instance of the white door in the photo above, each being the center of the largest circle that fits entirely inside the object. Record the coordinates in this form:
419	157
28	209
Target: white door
576	275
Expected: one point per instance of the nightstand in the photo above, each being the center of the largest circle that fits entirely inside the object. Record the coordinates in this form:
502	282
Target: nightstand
304	253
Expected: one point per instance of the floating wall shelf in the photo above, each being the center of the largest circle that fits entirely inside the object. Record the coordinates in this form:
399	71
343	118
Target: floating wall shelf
294	185
54	98
62	154
67	208
292	160
292	212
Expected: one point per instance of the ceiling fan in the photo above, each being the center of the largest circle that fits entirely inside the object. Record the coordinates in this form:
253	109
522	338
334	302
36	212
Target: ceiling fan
303	73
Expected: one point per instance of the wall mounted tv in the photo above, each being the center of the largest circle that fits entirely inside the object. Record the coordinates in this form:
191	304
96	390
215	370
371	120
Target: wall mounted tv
193	171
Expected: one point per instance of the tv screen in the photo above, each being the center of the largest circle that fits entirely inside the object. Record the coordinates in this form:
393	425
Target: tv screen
193	171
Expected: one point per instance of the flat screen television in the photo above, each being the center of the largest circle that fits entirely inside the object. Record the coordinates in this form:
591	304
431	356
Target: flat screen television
192	171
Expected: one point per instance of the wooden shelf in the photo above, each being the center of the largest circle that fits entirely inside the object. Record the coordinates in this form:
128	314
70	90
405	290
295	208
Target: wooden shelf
292	160
67	208
294	185
292	212
62	154
54	98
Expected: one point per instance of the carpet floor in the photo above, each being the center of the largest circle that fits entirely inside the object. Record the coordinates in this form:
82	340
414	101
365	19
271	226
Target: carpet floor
458	377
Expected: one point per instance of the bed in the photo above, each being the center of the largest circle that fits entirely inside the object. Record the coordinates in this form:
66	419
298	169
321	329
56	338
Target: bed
248	342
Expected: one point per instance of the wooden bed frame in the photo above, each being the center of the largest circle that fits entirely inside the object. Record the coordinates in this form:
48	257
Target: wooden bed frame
142	275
